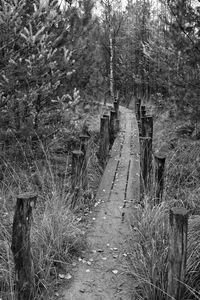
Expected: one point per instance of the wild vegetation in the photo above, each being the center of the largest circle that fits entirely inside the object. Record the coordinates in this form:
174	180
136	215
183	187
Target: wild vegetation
58	60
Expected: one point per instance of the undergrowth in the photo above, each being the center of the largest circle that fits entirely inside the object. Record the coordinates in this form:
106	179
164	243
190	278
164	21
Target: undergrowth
57	235
148	256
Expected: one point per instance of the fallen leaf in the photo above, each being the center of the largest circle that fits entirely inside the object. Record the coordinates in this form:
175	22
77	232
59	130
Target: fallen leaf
89	263
100	250
68	276
73	264
62	276
91	259
87	271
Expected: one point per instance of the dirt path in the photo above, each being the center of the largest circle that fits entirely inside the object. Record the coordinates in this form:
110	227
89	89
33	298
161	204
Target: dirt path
101	275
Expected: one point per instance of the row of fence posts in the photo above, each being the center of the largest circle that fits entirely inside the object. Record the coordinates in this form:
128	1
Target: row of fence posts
25	288
178	217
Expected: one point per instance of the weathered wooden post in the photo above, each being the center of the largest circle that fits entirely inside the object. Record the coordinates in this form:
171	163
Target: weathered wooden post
137	108
147	126
77	164
143	111
104	140
77	172
178	228
117	123
21	247
145	162
113	117
116	107
159	176
84	145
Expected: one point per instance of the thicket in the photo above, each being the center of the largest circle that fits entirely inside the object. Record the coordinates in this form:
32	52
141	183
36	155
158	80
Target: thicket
56	59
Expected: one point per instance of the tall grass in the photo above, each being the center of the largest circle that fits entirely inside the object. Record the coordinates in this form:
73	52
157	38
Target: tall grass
56	235
148	250
149	224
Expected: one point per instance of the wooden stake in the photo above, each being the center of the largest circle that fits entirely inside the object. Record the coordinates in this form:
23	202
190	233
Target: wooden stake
143	111
77	164
21	248
113	117
104	140
116	107
84	148
159	177
117	125
137	108
147	126
145	162
178	228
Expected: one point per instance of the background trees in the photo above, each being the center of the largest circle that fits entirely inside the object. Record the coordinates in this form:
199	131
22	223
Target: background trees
49	55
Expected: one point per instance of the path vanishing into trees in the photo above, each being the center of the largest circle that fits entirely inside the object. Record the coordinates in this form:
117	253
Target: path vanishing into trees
101	274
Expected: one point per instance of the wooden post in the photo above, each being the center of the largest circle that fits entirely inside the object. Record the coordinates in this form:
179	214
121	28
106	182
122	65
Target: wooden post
77	164
21	248
84	145
137	108
116	107
145	162
113	117
143	111
159	177
139	128
117	125
178	228
104	140
84	138
147	126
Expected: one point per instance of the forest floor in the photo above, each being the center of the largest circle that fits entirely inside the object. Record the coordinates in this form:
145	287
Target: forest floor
101	273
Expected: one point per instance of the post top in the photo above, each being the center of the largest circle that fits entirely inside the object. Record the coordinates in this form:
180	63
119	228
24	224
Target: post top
78	152
179	211
84	136
27	195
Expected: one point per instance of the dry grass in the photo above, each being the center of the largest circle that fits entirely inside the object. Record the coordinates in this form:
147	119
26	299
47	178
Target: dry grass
149	243
57	232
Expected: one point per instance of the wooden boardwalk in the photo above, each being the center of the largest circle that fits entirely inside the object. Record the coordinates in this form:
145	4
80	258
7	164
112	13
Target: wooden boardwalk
102	275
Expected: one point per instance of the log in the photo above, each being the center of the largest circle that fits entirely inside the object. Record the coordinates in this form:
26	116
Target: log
159	177
113	117
145	163
104	140
178	229
147	126
21	247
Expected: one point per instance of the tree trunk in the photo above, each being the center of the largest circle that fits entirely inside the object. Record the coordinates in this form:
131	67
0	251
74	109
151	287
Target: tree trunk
111	67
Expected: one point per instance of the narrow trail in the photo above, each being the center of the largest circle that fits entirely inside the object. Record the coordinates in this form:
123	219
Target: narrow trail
104	277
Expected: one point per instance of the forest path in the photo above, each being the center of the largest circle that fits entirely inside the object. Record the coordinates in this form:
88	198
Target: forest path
102	275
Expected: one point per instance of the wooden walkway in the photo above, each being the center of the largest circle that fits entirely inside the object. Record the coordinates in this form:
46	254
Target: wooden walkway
101	275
